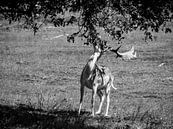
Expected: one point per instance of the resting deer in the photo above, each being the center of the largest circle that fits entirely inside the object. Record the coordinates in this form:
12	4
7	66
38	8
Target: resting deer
97	78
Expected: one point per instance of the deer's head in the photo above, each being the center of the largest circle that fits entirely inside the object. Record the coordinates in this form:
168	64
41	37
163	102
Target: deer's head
101	47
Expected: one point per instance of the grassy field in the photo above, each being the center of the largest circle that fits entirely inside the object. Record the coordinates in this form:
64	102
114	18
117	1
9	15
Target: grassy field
39	82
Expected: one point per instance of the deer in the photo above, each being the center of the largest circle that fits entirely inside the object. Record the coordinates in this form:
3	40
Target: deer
97	78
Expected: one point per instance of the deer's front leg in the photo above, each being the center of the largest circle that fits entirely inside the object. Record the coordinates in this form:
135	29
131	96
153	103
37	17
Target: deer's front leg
81	98
107	100
94	91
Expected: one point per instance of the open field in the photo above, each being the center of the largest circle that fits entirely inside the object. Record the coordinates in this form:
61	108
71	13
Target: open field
39	82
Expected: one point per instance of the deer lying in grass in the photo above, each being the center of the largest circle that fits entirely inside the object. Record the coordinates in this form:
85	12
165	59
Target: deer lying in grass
97	78
126	55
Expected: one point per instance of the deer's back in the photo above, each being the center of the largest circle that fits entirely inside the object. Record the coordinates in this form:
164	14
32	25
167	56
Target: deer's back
100	75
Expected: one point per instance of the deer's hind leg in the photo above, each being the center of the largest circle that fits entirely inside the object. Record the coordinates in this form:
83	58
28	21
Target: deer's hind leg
107	99
102	97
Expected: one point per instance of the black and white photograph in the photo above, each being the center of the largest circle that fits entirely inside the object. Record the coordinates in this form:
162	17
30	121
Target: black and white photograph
86	64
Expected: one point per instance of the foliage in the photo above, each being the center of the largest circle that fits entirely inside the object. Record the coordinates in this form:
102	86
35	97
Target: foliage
111	15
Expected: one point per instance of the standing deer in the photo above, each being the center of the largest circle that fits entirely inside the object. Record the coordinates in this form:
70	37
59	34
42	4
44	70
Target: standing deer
97	78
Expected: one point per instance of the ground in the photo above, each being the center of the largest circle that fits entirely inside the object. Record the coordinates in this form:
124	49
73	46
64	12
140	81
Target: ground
39	81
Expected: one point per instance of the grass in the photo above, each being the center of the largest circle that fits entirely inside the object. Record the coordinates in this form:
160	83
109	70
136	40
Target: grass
39	81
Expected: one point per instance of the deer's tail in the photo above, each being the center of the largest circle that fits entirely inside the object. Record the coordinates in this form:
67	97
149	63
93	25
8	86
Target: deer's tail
112	84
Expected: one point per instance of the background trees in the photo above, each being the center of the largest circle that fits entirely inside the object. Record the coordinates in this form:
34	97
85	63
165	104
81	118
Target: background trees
114	16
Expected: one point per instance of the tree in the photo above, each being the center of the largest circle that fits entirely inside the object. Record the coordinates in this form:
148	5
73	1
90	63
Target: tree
111	15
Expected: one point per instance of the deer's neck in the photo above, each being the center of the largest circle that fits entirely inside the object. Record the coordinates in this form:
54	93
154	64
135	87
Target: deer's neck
93	59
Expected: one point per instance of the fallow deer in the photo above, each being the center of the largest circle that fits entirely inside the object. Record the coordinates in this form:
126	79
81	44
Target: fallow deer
97	78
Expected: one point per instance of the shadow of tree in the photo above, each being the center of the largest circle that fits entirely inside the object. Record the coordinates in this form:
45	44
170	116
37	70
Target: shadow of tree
24	117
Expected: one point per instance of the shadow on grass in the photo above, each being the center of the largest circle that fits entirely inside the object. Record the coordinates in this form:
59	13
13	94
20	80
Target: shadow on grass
25	117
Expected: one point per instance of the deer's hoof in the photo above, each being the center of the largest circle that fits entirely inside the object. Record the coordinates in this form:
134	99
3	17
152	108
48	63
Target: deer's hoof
98	113
107	116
